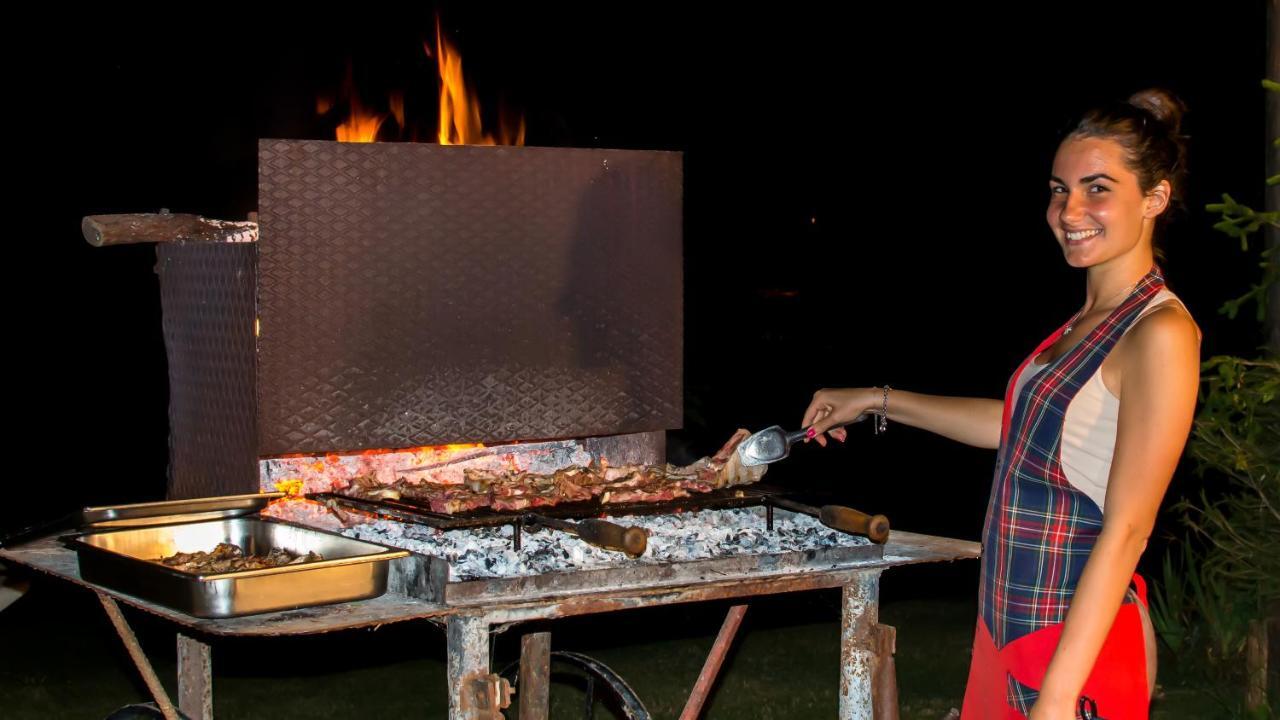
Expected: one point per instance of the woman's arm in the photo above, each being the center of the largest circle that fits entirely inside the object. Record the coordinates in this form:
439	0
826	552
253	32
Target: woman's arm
972	421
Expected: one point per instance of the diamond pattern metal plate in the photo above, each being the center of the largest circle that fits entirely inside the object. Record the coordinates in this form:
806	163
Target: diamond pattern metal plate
207	295
415	294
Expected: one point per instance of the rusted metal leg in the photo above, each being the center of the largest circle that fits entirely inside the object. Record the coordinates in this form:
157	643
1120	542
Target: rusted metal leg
715	658
859	614
195	679
534	688
884	689
139	658
474	693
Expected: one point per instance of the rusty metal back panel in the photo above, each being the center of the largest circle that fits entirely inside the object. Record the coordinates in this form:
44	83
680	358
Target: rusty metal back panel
207	296
415	294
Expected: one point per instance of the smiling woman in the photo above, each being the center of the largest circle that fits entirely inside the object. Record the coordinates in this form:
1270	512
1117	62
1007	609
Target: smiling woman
1088	435
1143	136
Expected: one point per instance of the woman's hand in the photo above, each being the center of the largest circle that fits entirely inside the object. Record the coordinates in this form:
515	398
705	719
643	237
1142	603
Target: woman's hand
832	408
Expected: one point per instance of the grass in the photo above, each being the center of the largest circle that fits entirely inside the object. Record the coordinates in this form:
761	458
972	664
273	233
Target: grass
61	658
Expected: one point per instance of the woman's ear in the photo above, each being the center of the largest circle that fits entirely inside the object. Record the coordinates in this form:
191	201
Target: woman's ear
1157	200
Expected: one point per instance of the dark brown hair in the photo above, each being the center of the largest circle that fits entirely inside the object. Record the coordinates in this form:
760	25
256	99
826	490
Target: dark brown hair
1149	128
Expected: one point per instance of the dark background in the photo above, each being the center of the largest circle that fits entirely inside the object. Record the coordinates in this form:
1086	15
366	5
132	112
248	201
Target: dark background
864	199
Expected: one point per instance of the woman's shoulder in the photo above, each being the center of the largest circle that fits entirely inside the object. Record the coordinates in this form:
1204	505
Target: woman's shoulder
1163	328
1173	314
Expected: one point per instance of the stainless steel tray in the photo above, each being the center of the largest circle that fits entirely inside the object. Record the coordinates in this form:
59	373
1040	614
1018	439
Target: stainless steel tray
170	511
126	561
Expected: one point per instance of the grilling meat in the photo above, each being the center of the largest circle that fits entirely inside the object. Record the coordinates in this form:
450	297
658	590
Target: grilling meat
607	484
231	558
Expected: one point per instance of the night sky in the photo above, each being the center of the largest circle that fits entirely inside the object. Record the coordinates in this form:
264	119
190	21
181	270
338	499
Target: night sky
864	198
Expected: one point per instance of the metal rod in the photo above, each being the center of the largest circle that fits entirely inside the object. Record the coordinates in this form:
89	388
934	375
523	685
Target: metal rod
515	535
768	516
139	658
534	685
884	691
793	506
715	658
552	523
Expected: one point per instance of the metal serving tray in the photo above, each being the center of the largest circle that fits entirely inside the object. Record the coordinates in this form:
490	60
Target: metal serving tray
171	511
127	561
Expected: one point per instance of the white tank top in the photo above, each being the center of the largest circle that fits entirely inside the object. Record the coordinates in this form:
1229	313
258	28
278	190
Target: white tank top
1089	429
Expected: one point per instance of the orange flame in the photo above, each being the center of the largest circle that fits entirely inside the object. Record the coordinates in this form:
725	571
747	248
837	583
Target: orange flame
459	109
460	114
360	128
396	101
362	124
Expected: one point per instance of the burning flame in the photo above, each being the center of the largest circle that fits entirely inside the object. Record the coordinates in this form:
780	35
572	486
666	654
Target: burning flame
459	117
396	101
362	124
360	128
459	110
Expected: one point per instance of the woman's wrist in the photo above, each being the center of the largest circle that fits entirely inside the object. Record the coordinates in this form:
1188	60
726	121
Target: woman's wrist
876	399
868	400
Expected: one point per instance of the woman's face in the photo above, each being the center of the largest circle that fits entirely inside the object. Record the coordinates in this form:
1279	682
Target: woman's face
1097	208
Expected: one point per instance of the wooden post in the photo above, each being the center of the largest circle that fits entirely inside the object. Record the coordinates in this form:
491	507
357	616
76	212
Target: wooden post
1271	200
105	230
1257	643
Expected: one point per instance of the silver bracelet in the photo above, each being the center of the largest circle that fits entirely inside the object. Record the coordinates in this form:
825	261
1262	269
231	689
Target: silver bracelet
882	422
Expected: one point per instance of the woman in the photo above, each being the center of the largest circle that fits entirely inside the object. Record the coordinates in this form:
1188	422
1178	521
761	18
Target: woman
1092	425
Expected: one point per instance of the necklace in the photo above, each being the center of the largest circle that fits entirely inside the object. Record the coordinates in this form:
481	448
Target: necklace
1123	292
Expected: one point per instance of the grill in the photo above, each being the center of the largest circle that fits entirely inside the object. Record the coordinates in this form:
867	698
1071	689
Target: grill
521	306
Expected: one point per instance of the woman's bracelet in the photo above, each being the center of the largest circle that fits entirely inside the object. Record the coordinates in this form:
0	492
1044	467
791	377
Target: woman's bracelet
882	422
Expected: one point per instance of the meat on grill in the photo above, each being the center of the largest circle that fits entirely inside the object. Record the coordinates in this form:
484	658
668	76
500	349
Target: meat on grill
607	484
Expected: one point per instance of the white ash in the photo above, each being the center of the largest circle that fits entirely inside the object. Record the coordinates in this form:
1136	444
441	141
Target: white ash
488	552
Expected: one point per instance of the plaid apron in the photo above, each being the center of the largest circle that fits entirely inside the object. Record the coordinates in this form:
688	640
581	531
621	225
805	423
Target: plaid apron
1038	535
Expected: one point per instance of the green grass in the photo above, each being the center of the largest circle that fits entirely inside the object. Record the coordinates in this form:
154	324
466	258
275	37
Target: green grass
61	659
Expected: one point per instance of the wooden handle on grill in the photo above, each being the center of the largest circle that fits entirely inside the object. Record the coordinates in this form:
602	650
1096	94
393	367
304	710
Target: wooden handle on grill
102	230
611	536
875	527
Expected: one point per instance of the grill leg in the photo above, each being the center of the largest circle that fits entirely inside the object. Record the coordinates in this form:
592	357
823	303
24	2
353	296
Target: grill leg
885	692
711	668
139	657
195	679
468	660
859	645
534	689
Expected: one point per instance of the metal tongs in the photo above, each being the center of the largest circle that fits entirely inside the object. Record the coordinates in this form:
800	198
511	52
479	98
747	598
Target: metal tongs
773	443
